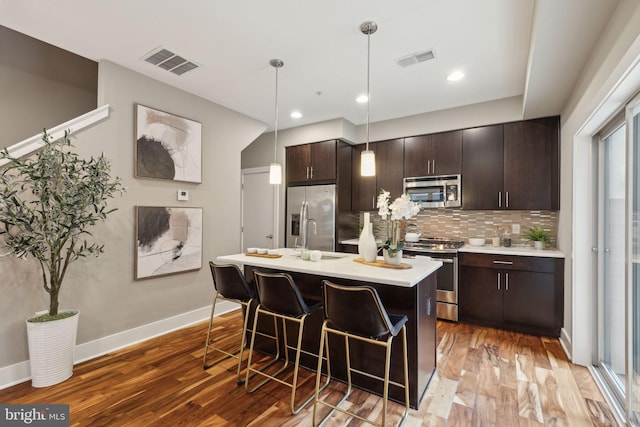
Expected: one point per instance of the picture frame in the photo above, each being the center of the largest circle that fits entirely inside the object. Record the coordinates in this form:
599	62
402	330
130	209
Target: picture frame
168	240
167	146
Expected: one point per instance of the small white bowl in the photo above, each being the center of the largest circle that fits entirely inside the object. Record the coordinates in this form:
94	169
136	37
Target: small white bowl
272	252
262	251
252	250
476	241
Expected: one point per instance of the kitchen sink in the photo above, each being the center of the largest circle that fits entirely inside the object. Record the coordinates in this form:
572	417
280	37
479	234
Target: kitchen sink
324	257
333	256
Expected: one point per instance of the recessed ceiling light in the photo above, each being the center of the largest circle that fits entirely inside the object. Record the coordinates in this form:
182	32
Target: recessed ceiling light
362	99
455	76
296	114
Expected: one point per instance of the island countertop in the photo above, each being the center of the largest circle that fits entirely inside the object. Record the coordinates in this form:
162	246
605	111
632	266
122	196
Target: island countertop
342	265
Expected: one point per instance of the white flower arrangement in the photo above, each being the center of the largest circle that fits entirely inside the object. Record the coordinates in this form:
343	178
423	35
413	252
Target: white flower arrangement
402	208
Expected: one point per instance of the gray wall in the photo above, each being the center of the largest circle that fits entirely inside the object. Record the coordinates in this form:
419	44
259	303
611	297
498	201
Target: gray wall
103	289
41	86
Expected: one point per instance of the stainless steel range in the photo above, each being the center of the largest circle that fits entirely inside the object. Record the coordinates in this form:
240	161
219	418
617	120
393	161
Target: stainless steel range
444	250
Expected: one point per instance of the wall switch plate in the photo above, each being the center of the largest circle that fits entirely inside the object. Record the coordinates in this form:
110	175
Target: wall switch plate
183	195
515	228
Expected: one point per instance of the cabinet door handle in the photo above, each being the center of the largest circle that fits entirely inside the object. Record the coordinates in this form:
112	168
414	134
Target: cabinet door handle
373	202
311	172
434	166
503	262
428	167
307	172
506	281
499	199
498	281
507	198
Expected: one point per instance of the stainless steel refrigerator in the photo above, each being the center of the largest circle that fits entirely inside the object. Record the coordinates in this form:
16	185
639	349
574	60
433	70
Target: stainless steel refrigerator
311	217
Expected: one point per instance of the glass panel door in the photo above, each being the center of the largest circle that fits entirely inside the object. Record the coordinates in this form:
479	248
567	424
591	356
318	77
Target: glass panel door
634	383
612	360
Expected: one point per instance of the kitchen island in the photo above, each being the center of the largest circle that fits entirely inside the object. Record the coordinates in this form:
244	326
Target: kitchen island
410	291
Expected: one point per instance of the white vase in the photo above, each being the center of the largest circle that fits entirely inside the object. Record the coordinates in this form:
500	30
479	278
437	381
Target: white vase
538	245
367	248
395	260
51	348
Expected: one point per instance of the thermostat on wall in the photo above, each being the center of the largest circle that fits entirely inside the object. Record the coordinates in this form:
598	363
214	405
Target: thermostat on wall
183	195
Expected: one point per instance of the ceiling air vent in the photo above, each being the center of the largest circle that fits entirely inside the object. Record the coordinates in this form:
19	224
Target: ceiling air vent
170	61
416	58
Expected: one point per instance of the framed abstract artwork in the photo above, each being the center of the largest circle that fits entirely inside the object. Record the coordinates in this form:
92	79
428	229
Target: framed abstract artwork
168	240
167	146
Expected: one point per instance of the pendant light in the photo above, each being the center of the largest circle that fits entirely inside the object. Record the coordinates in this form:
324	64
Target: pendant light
275	170
368	157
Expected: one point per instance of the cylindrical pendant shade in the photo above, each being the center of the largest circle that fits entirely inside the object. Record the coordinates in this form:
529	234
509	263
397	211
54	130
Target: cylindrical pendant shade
368	163
275	173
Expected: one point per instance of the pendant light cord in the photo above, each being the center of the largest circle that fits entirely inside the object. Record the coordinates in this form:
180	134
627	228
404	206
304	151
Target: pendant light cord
276	63
368	83
275	140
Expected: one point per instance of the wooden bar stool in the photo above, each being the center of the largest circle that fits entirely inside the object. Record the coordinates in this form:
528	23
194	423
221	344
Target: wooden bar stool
280	298
229	284
356	312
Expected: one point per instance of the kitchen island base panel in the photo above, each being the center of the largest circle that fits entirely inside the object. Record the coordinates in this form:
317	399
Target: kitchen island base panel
418	303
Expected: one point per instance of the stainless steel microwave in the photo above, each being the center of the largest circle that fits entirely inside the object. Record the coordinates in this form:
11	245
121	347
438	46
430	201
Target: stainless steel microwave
442	191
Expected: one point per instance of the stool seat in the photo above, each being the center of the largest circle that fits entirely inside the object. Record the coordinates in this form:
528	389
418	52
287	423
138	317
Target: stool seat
356	312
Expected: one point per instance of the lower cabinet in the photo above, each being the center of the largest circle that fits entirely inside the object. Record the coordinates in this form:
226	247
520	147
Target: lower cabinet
518	293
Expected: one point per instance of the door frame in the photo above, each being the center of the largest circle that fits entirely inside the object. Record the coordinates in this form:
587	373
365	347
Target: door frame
275	200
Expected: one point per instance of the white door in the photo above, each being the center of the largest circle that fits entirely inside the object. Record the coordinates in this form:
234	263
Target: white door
258	201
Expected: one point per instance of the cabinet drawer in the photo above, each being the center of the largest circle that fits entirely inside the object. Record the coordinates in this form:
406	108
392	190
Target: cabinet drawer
510	262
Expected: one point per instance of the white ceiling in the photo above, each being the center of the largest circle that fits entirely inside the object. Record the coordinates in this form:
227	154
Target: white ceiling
530	48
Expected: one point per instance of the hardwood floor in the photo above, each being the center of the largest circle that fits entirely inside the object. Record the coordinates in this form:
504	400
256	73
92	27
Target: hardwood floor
485	377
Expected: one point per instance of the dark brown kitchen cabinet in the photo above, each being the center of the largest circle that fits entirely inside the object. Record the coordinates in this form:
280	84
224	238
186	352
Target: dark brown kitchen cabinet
531	164
389	173
434	154
518	293
512	166
311	163
482	167
365	189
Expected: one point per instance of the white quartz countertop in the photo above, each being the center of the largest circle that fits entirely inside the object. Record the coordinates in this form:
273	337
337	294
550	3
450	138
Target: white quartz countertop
342	265
520	250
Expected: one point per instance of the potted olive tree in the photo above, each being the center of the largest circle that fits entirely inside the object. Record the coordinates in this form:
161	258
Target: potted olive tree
48	203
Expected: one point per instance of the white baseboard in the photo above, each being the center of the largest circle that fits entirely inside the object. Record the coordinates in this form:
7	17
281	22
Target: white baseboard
565	342
21	372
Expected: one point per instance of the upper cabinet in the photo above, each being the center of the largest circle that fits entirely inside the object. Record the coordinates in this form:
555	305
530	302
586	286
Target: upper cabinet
512	166
531	164
310	163
434	154
365	189
482	167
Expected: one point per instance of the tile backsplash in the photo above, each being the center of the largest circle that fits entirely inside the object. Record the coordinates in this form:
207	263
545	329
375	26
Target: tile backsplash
462	224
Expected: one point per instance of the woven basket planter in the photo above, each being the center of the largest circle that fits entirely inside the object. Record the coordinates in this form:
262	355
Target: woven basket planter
51	349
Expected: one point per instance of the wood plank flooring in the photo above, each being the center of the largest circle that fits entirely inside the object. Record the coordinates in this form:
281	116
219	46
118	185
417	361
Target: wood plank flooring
485	377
